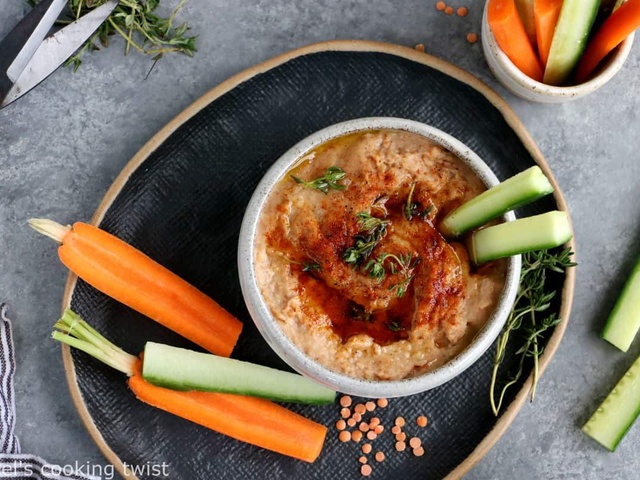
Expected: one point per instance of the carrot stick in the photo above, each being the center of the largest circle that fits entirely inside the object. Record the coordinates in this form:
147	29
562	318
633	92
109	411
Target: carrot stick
510	35
546	13
252	420
131	277
613	31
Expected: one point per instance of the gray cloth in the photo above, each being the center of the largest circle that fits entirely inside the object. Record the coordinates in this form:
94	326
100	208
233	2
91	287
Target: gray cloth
14	464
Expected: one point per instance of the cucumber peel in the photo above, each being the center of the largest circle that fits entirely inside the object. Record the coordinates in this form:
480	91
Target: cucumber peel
539	232
617	413
624	321
185	370
515	192
570	39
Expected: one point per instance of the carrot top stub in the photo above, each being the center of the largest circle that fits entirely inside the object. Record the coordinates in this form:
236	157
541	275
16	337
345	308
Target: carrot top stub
127	275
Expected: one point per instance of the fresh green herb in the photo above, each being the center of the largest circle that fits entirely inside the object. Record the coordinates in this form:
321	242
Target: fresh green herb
524	324
137	22
307	266
399	265
412	208
327	182
372	229
310	267
394	326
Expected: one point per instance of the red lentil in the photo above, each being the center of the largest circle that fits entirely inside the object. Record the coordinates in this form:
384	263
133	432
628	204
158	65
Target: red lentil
441	6
472	37
351	422
382	402
415	442
396	429
379	429
345	413
345	401
422	421
344	436
370	406
379	456
341	424
366	448
362	459
360	408
400	446
448	10
356	436
371	435
462	11
400	421
366	470
418	452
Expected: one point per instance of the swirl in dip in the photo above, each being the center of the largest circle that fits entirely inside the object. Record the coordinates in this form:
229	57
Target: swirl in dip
359	278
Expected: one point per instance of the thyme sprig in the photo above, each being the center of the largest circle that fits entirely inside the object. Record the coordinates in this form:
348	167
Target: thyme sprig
139	25
524	324
399	264
328	181
372	229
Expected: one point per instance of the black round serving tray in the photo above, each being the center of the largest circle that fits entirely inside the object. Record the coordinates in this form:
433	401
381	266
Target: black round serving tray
181	200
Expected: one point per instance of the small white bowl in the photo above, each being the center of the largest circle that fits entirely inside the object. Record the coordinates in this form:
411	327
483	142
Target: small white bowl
525	87
274	335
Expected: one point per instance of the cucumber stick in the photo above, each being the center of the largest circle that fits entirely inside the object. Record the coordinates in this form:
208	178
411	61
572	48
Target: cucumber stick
182	369
539	232
514	192
624	320
616	414
570	38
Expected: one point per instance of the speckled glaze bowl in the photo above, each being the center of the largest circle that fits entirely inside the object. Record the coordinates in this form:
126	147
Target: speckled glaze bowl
523	86
285	347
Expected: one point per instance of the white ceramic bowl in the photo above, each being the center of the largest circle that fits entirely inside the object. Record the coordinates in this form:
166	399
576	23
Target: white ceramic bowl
525	87
268	326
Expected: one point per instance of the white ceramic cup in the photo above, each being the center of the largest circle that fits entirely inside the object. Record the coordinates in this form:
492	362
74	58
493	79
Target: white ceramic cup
525	87
285	347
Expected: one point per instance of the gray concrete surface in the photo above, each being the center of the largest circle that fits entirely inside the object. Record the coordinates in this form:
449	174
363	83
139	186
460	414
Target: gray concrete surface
62	145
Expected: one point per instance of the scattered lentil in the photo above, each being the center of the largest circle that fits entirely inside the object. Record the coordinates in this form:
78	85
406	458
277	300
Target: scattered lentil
362	459
366	448
420	47
345	413
366	470
379	456
396	429
400	446
400	421
422	421
441	6
472	37
370	406
374	422
418	452
356	436
344	436
462	11
415	442
363	427
382	402
345	401
341	424
401	437
448	10
379	429
360	408
357	417
371	435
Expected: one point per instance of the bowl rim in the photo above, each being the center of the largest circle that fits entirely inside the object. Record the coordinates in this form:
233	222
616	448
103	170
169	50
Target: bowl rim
606	73
285	347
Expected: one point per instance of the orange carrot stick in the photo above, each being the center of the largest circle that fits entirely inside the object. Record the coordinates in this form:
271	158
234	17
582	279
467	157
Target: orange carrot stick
252	420
613	31
509	32
131	277
546	13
